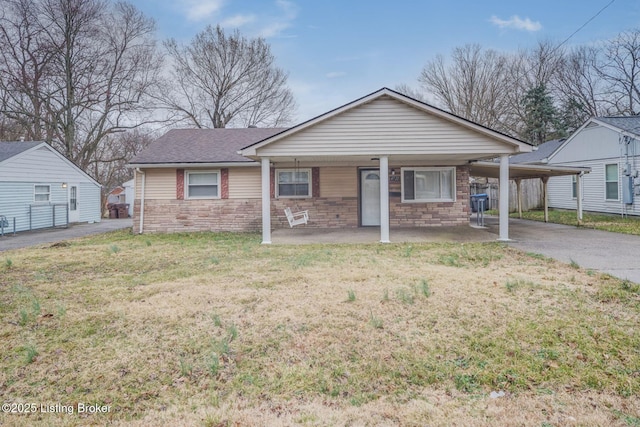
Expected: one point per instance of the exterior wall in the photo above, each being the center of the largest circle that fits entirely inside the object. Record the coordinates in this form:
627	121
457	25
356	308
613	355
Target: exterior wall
337	206
593	190
593	147
170	216
19	175
160	184
370	127
244	183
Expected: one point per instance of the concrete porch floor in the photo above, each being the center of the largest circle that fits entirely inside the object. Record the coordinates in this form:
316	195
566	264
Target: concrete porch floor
459	234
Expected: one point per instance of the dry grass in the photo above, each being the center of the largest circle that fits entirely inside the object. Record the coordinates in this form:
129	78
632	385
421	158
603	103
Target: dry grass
216	329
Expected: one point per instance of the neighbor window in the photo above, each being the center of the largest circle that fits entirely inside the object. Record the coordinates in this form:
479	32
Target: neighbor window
203	185
293	183
42	193
611	182
428	184
574	186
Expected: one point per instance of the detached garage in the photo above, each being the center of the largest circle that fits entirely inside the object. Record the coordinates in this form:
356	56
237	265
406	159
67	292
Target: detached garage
40	188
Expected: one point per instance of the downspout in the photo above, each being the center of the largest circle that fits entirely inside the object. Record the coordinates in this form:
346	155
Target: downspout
141	201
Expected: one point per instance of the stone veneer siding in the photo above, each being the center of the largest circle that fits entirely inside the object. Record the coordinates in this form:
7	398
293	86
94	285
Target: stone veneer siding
324	212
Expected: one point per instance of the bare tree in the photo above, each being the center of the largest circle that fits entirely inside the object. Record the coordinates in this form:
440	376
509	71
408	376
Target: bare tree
77	71
620	68
472	85
227	80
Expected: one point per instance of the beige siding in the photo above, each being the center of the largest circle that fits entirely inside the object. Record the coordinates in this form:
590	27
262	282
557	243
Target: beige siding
387	126
245	183
338	182
160	184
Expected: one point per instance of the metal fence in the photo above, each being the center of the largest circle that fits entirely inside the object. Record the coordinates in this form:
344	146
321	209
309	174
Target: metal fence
48	215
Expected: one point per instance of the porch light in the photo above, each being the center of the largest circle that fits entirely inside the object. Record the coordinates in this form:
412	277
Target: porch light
64	185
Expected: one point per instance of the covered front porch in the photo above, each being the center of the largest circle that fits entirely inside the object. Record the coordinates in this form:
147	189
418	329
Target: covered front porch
364	235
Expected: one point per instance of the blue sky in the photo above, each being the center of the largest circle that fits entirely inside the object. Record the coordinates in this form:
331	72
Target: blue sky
338	50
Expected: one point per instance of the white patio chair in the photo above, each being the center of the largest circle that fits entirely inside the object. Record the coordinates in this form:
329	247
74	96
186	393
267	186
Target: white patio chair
296	218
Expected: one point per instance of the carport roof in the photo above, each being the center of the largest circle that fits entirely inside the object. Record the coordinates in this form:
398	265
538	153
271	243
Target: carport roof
521	171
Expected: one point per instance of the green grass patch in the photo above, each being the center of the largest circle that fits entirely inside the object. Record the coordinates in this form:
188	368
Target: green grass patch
598	221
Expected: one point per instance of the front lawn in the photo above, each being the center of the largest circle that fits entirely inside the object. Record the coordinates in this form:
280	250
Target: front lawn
598	221
219	330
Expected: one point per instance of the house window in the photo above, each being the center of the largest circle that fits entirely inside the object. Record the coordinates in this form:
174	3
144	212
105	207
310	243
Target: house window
203	185
428	184
574	186
293	183
42	193
611	182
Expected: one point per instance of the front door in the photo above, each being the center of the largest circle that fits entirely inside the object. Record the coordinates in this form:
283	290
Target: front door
370	197
74	212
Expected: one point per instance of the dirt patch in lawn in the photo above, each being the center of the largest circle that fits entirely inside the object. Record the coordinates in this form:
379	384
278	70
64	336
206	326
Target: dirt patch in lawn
220	330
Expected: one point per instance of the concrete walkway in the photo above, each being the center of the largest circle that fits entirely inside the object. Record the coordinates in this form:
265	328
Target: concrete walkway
51	235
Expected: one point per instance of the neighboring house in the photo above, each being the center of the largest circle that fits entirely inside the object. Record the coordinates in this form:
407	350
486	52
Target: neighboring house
610	146
123	194
41	188
337	166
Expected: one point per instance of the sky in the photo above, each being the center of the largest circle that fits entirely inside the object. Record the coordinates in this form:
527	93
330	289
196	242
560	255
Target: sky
336	51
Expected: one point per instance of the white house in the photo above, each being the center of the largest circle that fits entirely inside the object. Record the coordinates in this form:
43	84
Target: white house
40	188
610	146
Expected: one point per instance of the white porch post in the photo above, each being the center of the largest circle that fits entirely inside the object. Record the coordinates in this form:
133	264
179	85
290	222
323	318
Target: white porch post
579	196
266	201
504	198
545	195
384	199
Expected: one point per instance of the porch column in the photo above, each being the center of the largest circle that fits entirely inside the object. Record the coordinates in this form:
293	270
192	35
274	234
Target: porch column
384	199
519	195
579	196
504	198
545	195
266	201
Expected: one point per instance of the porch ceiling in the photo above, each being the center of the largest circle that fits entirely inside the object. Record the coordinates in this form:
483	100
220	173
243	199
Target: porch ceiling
520	171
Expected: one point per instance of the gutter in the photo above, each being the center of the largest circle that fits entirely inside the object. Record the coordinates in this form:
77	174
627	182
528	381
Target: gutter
140	227
194	165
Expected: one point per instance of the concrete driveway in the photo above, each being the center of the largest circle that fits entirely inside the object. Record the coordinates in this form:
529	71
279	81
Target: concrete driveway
32	238
613	253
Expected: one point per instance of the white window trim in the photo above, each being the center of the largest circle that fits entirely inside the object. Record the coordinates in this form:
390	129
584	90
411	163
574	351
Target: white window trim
186	184
48	193
617	199
574	186
310	187
430	169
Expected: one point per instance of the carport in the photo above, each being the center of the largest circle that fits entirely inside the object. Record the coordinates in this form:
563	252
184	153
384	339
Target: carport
518	172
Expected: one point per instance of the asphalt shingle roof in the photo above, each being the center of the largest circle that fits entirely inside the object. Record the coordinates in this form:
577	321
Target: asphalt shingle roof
8	149
202	145
543	152
628	123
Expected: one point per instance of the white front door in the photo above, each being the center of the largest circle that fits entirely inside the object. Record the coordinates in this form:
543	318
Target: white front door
370	197
74	212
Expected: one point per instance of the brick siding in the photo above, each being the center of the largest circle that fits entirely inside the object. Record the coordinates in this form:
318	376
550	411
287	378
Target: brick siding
327	212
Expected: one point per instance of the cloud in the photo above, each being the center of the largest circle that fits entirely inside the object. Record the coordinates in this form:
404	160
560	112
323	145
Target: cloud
238	21
198	10
335	74
289	12
516	23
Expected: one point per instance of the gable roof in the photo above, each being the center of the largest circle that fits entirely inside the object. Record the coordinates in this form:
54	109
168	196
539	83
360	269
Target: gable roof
201	146
12	149
629	124
621	124
540	155
522	146
9	149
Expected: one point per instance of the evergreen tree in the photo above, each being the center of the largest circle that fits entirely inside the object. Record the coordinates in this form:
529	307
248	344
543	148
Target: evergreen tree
542	120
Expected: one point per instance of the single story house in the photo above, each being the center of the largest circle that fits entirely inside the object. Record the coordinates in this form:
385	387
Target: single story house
41	188
610	146
122	194
384	160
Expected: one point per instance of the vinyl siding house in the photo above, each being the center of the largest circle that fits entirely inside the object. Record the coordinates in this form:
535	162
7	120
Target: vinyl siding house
41	188
384	160
610	146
